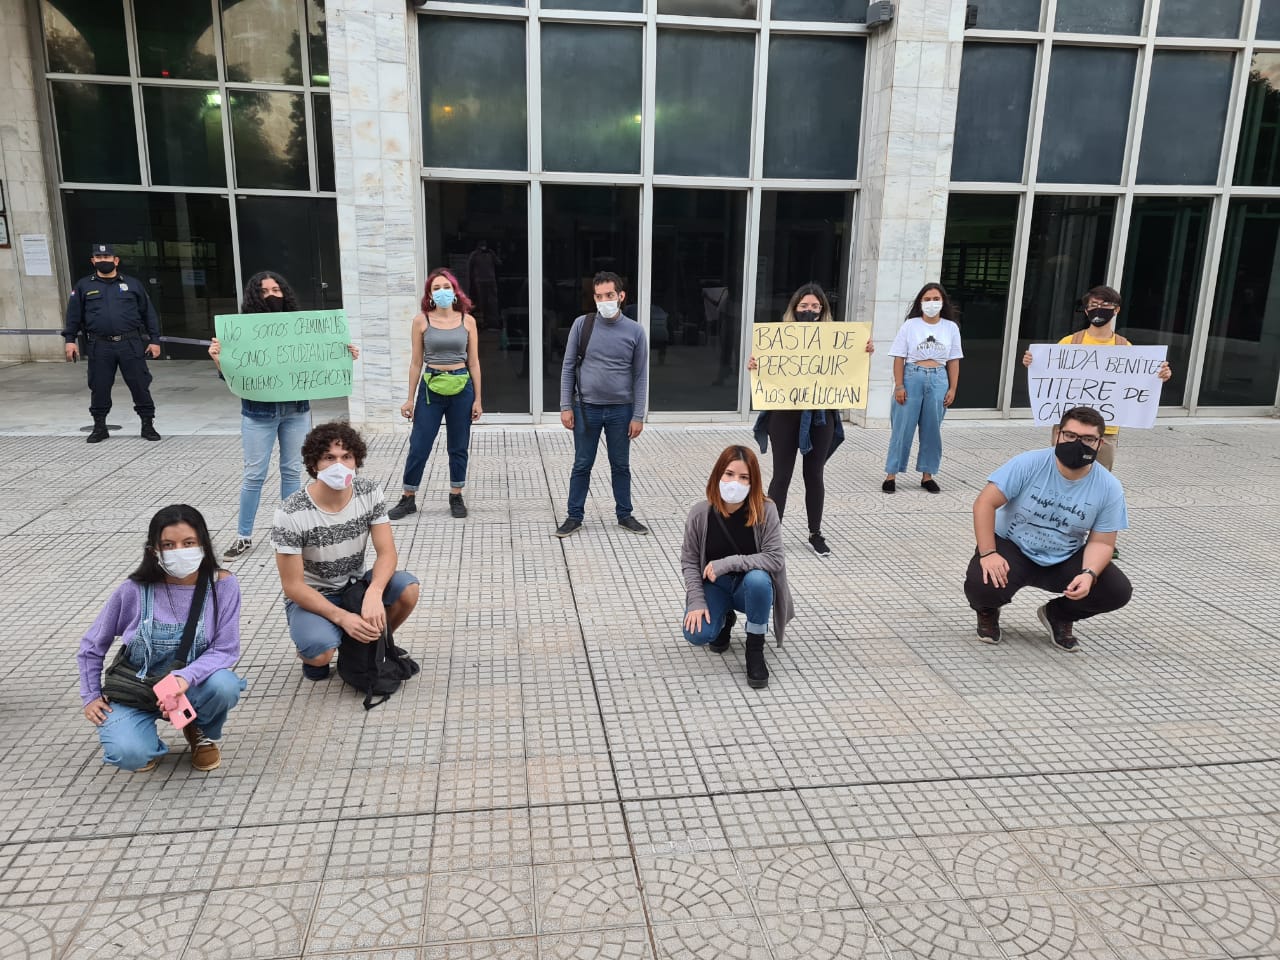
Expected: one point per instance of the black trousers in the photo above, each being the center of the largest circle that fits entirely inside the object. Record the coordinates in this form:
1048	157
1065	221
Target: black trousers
129	356
784	438
1110	591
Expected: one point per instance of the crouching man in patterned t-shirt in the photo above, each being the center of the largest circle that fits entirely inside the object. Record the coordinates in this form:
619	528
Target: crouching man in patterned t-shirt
320	534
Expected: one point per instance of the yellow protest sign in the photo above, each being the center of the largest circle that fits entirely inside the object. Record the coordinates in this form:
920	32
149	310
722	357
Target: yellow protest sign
810	366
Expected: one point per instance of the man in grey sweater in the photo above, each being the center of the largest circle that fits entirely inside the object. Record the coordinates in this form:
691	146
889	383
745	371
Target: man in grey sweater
604	387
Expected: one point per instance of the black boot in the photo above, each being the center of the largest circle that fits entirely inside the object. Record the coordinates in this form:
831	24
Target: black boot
149	429
757	672
100	431
721	643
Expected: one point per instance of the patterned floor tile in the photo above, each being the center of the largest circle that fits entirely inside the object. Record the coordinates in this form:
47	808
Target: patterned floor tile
1239	914
622	943
823	935
480	905
700	886
892	871
794	879
1043	927
711	940
937	929
368	912
587	895
1145	923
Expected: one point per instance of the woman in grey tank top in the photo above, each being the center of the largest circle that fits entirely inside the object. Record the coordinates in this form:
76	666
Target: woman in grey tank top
444	386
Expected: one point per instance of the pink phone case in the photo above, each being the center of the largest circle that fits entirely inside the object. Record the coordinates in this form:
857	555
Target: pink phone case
180	710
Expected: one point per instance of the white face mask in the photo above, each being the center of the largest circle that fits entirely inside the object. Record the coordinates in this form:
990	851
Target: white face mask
931	308
180	563
336	476
733	492
608	308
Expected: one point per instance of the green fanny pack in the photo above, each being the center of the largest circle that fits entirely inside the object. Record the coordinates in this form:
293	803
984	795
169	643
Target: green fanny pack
446	384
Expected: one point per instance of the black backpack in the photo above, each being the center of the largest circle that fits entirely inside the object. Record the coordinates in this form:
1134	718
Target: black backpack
375	669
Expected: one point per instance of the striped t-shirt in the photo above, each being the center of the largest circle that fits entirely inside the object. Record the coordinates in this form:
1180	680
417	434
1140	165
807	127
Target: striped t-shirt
332	544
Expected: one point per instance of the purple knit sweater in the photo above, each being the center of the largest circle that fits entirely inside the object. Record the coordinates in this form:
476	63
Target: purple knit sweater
119	618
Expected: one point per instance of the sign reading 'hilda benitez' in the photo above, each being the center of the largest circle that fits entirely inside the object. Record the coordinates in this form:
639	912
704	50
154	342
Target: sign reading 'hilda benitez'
301	355
810	366
1121	383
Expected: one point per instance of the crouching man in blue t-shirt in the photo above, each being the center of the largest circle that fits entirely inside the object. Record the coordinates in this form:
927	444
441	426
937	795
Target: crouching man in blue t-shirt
1048	519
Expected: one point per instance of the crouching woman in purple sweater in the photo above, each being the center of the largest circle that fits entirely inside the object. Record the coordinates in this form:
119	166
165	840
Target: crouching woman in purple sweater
149	612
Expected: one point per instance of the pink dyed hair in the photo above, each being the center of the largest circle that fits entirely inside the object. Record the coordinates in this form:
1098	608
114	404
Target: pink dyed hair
464	302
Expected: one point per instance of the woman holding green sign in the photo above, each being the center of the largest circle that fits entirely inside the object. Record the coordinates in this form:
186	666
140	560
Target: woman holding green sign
444	385
263	422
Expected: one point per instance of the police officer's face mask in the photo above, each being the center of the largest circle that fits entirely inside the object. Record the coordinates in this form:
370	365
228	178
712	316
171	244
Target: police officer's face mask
104	267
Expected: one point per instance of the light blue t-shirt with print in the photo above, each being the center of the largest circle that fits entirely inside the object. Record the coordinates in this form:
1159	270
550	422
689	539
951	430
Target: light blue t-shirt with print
1050	517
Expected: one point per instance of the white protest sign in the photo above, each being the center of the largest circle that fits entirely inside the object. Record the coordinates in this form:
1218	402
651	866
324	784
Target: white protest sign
1121	383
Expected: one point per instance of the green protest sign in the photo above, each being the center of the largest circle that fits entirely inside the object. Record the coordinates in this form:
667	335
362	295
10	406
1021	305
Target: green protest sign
285	356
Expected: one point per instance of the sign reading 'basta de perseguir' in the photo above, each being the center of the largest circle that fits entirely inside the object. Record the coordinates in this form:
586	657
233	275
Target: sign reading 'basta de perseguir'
1121	383
285	356
810	366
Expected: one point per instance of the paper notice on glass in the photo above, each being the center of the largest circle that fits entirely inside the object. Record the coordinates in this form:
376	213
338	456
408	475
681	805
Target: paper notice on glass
35	255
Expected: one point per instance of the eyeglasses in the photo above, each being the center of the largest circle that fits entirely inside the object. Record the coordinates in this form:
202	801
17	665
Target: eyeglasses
1101	305
1090	440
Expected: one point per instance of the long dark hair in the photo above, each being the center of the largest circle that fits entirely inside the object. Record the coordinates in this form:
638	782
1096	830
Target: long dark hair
808	289
150	571
947	312
255	302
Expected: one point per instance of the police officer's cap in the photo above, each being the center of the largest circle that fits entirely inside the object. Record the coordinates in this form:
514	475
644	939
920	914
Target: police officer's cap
103	250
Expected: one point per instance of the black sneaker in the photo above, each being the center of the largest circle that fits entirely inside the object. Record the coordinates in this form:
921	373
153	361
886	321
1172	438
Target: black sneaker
819	545
312	672
1060	630
989	626
721	643
568	528
403	508
238	546
632	524
456	506
148	431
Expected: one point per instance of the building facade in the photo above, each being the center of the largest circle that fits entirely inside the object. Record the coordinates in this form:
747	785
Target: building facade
715	153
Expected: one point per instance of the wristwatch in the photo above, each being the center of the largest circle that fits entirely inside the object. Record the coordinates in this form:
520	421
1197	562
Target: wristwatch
1090	573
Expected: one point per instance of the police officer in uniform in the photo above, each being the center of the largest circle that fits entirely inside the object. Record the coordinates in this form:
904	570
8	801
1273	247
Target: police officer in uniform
115	315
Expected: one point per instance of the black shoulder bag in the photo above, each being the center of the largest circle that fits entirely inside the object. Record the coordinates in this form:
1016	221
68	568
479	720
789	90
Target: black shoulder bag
375	669
121	683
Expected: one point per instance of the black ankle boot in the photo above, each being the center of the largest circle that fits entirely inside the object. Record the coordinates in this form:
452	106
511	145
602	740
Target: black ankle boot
100	431
721	643
757	671
149	429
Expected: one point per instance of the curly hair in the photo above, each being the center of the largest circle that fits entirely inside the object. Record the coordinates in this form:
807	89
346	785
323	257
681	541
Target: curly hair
462	304
254	302
321	438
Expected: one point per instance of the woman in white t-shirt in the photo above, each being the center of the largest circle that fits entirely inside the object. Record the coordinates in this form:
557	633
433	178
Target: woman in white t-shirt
926	372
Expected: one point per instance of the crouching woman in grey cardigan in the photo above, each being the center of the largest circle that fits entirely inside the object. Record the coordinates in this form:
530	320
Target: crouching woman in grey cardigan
732	560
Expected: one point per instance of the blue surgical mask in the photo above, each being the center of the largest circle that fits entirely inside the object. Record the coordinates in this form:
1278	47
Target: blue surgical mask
443	298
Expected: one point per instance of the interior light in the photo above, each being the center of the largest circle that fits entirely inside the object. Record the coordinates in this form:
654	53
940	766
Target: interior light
447	110
213	99
320	78
638	118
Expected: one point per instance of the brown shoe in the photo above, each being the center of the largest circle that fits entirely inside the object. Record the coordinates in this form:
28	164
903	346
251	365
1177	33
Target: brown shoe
148	766
205	754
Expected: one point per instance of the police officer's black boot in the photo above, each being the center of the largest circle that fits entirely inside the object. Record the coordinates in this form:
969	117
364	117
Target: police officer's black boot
149	429
100	431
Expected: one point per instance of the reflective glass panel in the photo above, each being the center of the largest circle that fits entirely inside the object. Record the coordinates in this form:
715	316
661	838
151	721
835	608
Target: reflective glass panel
695	319
703	124
1086	115
804	236
85	36
260	38
269	138
833	11
737	9
473	106
87	116
175	39
480	231
323	119
1242	357
297	237
1066	255
605	137
808	132
1258	156
1161	289
1268	20
1186	116
177	244
1008	14
1100	16
184	136
584	230
1195	18
611	6
317	43
977	264
991	115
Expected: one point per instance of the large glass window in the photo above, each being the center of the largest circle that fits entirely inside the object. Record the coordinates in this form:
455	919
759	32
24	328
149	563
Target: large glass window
88	116
977	264
1161	288
1100	16
601	135
608	6
584	230
298	238
1195	18
1007	14
260	40
799	103
480	231
996	80
85	36
175	40
837	11
1086	115
1242	357
323	119
703	123
318	42
1258	156
804	236
1268	20
695	318
1066	255
737	9
1186	116
184	136
269	138
473	106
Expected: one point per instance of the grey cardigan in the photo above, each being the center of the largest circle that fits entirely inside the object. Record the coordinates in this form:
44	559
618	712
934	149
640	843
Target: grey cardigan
770	559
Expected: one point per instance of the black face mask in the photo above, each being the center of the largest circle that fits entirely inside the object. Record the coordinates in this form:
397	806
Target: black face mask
1100	316
808	316
104	267
1074	454
273	304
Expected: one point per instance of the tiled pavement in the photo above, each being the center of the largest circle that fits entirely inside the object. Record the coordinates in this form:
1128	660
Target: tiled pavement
568	779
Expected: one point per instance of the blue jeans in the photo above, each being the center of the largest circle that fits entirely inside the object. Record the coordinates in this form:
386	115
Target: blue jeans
313	635
926	386
750	592
257	436
128	735
428	411
589	419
